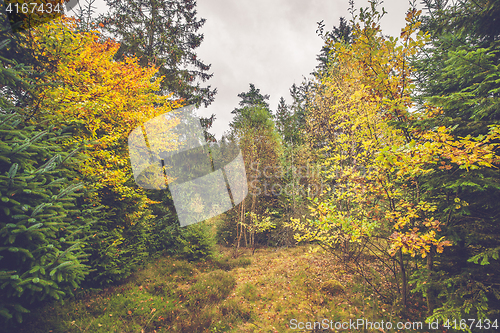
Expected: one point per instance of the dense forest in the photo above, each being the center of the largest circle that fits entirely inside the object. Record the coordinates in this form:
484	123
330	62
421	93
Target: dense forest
373	195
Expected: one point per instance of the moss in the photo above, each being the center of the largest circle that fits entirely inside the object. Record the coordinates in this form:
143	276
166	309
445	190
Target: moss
332	287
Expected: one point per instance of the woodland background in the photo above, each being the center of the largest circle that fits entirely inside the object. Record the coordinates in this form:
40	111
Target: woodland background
385	163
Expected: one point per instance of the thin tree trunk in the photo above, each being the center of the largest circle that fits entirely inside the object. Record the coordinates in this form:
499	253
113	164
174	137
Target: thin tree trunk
430	292
245	236
242	220
252	212
239	228
252	241
403	279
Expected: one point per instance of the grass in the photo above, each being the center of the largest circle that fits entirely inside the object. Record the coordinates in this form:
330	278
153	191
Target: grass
259	293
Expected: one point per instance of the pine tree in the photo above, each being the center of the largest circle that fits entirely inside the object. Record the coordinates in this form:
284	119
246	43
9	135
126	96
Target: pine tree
163	33
254	131
459	73
253	98
283	120
251	102
299	109
42	230
342	33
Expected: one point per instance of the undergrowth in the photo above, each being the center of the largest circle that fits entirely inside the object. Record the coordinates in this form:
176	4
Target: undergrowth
260	293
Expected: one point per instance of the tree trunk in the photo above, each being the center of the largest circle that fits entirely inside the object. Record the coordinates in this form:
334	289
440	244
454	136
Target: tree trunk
245	236
239	228
252	218
404	283
430	291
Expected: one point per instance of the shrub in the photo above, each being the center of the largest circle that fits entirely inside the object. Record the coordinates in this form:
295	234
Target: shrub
194	242
41	229
226	229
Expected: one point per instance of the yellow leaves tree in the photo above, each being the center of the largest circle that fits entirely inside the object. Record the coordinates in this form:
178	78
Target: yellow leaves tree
106	99
103	100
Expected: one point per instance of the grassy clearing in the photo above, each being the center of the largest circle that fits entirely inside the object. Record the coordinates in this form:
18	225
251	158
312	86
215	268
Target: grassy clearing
259	293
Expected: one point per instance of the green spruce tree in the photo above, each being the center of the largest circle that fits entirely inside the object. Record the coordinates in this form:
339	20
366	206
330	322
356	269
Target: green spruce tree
163	33
459	73
42	229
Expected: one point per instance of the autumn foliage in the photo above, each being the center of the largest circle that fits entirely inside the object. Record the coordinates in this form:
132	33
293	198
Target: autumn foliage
377	159
85	92
388	159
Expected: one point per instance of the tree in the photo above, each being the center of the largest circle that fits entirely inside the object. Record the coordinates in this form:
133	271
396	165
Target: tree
459	73
348	121
103	101
380	162
22	16
298	172
16	46
42	229
163	34
85	16
299	108
253	129
283	120
252	98
342	34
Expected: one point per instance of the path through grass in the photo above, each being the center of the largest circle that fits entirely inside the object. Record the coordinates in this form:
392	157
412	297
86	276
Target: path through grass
260	293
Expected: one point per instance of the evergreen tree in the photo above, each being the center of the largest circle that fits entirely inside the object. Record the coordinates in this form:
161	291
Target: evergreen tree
342	33
459	73
42	230
163	33
254	130
283	120
13	49
253	98
299	109
251	101
85	11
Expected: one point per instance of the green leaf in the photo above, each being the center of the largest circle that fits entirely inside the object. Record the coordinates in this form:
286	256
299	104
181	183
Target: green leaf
19	308
5	313
36	226
66	263
13	170
34	269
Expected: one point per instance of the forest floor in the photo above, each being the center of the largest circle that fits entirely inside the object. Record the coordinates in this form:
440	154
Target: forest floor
274	290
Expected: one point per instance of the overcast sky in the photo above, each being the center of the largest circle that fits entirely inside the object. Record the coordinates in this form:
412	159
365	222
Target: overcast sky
270	43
